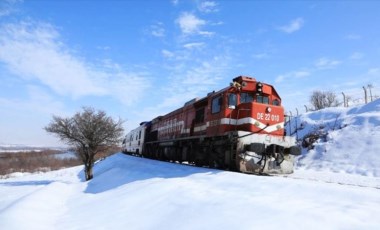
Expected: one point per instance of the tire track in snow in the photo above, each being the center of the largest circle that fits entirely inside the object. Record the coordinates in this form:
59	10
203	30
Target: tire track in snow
363	185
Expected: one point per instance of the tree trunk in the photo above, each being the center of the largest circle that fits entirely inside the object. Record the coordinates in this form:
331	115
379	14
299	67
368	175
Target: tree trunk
88	172
88	165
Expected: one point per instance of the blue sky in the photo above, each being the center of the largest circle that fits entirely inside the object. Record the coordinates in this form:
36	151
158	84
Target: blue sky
140	59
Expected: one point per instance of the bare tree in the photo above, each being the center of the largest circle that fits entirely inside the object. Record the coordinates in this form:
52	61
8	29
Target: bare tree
88	132
323	99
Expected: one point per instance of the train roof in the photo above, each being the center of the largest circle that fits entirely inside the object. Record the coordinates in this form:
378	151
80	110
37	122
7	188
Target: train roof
197	102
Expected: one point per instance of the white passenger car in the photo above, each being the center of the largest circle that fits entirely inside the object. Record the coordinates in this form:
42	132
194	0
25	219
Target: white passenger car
134	140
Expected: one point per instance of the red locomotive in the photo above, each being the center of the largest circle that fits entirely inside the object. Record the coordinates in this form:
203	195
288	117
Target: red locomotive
240	128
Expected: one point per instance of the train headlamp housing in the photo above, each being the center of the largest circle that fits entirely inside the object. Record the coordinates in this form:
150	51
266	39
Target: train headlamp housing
259	88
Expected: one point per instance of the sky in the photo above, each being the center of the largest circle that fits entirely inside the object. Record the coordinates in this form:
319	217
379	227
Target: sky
140	59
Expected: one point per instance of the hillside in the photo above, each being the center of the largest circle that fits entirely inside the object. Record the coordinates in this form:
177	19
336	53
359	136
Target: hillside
349	140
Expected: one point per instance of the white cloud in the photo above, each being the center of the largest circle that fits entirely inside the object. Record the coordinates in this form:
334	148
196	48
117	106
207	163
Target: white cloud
206	73
127	87
353	37
197	78
39	100
190	24
279	79
208	7
292	75
301	74
22	119
260	56
356	56
374	71
7	7
5	12
194	45
293	26
167	53
157	30
34	51
206	33
326	63
105	48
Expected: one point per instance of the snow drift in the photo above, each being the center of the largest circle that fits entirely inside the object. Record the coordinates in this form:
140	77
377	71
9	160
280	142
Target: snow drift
135	193
350	142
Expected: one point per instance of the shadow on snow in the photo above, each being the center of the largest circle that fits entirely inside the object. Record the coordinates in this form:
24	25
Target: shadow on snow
24	183
120	169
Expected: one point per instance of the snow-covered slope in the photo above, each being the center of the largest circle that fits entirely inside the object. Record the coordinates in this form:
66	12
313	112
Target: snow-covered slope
351	142
335	186
136	193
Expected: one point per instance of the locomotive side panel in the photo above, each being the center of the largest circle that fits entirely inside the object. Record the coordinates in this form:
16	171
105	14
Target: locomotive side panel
240	127
201	117
178	124
170	125
188	117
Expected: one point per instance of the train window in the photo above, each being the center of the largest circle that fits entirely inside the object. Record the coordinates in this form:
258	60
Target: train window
276	102
140	135
246	97
263	99
216	104
232	100
200	115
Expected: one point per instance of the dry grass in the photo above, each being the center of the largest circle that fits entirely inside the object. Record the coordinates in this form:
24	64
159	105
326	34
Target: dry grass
41	161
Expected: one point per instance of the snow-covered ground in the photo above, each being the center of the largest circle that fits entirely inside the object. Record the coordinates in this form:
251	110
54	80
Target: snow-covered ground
335	186
135	193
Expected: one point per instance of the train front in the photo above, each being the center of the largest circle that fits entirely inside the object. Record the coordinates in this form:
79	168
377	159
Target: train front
256	120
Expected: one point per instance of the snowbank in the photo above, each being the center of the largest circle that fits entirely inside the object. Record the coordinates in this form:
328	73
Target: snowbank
135	193
351	144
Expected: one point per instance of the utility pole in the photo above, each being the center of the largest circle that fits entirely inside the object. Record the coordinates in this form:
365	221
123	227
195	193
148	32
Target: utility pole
297	125
365	95
370	86
344	100
290	123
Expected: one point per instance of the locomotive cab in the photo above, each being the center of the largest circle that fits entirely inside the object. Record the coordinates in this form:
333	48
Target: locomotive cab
247	105
251	113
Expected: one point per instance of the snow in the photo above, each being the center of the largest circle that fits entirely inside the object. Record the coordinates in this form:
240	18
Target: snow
144	194
336	185
352	143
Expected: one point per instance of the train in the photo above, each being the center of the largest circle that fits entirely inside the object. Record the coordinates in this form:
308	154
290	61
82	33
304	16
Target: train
238	128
